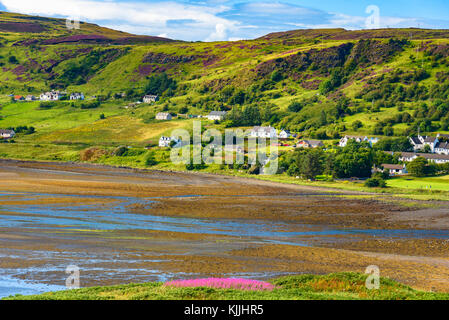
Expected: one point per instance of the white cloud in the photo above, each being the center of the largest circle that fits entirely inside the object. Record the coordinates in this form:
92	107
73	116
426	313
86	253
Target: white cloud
220	33
210	20
131	16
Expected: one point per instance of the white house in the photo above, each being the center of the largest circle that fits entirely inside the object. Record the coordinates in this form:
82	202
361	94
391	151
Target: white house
263	132
284	134
77	96
395	169
420	142
373	140
442	148
165	141
7	134
150	98
51	96
163	116
217	115
432	157
30	98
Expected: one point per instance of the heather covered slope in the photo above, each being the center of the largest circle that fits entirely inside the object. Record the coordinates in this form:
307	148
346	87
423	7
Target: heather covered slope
35	30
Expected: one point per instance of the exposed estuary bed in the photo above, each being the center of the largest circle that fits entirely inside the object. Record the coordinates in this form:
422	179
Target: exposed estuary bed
121	226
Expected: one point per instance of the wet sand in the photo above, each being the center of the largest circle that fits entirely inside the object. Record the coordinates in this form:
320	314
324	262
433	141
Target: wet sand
122	225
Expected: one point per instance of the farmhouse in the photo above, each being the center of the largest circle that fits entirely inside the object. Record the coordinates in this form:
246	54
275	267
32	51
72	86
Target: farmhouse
263	132
150	98
217	115
18	98
395	169
310	144
284	134
7	134
165	141
77	96
163	116
30	98
51	96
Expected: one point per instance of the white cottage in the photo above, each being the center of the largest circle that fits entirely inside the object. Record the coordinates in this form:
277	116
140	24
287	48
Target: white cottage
217	115
163	116
166	141
7	134
77	96
263	132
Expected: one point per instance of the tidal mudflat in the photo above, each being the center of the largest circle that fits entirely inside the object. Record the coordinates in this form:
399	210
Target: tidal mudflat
121	225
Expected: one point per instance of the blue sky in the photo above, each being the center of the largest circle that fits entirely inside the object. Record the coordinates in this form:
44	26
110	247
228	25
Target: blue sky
213	20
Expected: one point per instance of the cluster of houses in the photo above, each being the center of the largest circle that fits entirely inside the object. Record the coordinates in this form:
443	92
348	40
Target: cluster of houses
50	96
359	139
213	116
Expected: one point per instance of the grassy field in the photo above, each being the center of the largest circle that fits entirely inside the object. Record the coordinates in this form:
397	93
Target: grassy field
338	286
428	183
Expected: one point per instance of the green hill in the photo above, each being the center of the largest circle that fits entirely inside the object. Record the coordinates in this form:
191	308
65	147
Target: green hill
319	83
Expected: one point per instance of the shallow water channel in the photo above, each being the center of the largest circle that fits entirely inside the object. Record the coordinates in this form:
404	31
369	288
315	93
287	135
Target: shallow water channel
105	237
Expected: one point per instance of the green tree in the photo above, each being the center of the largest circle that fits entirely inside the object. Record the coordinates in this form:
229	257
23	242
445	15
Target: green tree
160	83
295	106
312	163
354	160
276	76
356	125
417	167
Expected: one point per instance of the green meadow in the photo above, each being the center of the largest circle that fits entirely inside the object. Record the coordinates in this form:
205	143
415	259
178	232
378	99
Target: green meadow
440	183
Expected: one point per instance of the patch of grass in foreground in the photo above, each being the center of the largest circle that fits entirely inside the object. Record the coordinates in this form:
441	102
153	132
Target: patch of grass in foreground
336	286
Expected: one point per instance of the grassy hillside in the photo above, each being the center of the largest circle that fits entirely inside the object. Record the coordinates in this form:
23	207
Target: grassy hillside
339	286
322	83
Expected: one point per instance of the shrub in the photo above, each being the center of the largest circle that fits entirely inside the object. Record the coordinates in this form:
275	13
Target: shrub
45	105
357	125
92	154
120	151
375	182
150	160
13	60
254	170
295	106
